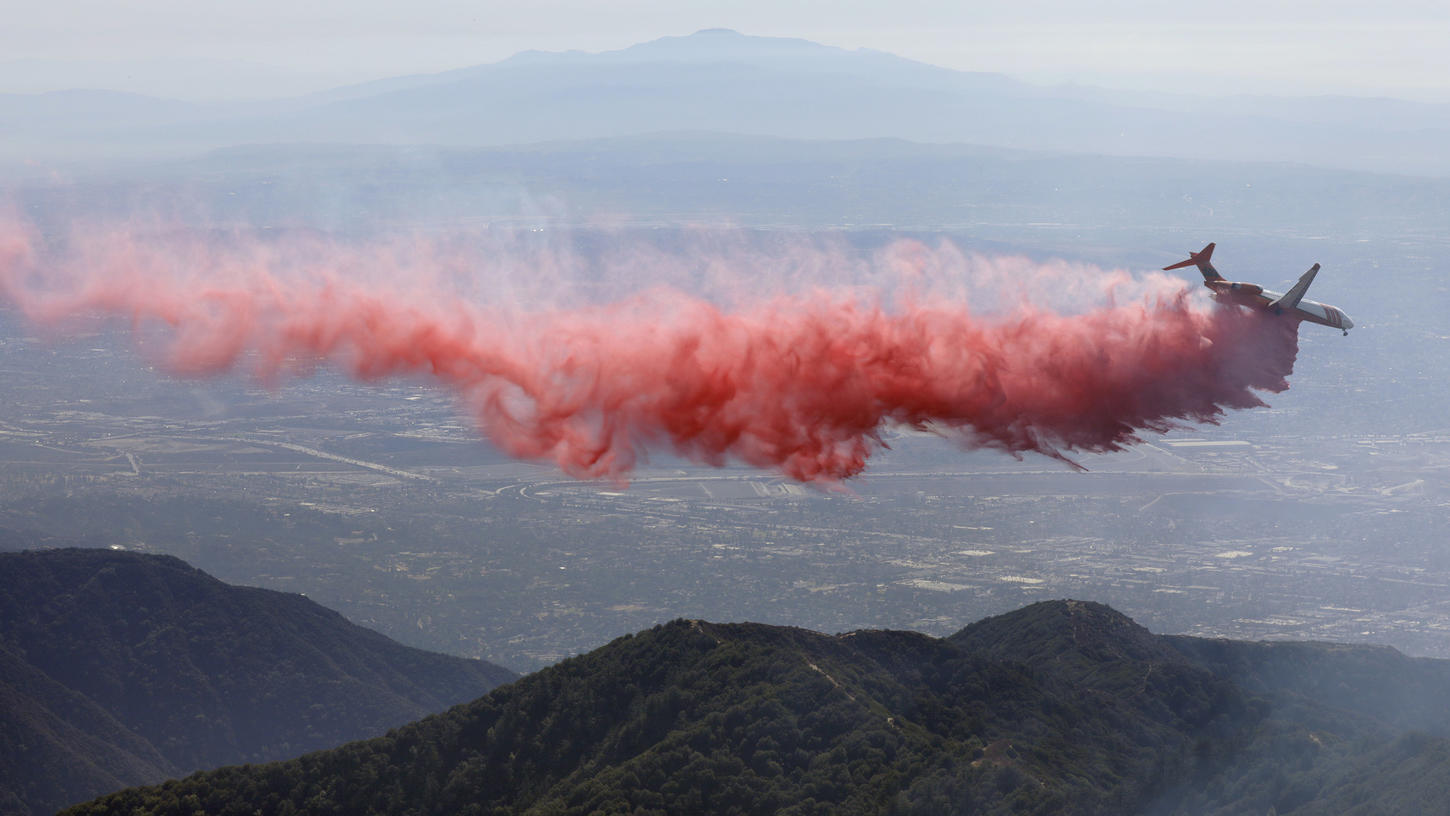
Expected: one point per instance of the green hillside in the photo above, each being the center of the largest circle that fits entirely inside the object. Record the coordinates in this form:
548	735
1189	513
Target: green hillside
1061	707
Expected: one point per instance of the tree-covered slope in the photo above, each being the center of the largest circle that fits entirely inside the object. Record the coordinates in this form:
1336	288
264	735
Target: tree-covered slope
1062	707
1397	692
693	717
119	669
57	746
1346	729
1326	727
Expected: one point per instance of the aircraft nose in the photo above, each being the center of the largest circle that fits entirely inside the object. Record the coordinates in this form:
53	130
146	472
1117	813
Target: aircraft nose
1348	324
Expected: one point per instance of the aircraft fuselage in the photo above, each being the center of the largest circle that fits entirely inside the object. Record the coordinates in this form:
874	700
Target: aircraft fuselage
1255	296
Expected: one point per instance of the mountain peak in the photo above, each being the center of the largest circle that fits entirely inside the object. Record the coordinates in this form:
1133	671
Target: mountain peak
1053	631
711	44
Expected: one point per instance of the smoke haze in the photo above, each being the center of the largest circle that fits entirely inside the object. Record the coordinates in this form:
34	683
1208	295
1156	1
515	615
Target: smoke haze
800	378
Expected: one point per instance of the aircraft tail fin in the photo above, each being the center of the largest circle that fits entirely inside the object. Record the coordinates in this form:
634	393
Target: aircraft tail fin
1291	298
1200	259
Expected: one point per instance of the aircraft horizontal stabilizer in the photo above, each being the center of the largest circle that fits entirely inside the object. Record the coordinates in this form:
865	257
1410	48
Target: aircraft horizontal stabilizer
1201	260
1291	298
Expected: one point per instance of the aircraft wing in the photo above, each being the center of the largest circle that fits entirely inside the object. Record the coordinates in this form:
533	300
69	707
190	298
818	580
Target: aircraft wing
1291	298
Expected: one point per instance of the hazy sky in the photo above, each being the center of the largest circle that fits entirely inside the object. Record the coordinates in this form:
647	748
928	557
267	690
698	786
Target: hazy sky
275	47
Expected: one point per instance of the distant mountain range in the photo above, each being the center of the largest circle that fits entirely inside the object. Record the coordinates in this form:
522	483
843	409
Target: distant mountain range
1061	707
119	669
726	82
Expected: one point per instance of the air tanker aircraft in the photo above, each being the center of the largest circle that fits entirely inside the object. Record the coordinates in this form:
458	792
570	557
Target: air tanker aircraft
1291	303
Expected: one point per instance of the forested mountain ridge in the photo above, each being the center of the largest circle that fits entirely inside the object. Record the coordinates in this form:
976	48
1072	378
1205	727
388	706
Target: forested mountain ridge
118	669
1062	707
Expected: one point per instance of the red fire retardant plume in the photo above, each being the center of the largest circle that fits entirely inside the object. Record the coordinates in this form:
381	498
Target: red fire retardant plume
803	384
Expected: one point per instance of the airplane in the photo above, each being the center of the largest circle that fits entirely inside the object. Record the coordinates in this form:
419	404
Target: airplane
1252	295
